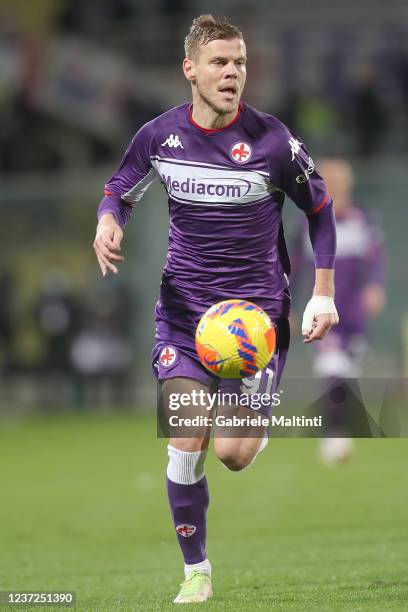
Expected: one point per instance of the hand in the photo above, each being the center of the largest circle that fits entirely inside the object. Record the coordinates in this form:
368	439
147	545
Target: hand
322	324
107	244
319	317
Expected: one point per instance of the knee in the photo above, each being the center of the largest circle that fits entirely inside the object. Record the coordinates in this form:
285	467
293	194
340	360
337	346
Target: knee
234	461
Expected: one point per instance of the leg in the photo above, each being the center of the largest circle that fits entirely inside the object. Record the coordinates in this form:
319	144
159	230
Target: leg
178	372
237	453
237	448
186	482
338	359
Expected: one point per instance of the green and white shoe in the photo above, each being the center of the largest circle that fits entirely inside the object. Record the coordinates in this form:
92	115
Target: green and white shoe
196	588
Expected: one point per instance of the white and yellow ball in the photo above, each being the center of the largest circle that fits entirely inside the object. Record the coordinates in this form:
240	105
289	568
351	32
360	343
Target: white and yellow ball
235	339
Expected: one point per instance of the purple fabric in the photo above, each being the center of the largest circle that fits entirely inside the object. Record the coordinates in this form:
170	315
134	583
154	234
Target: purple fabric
186	364
226	238
375	258
114	205
322	232
189	504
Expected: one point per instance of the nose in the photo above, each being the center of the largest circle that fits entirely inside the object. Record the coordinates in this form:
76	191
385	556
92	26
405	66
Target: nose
231	70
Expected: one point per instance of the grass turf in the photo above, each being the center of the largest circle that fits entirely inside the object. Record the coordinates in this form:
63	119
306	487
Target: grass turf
83	507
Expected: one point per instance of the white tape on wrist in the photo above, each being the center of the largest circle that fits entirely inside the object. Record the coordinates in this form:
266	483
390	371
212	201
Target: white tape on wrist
317	305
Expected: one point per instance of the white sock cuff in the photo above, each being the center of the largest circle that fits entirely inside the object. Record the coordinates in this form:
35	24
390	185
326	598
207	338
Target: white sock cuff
263	443
185	468
203	566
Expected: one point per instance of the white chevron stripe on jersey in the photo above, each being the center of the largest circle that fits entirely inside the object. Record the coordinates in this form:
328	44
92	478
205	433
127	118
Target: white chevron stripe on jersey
137	191
196	183
198	164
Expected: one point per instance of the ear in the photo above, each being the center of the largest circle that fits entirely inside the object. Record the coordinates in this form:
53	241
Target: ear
189	69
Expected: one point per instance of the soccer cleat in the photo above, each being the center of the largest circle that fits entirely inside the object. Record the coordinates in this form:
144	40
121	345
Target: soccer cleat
196	588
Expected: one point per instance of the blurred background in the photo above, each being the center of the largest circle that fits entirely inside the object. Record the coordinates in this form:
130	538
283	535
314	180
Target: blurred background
77	79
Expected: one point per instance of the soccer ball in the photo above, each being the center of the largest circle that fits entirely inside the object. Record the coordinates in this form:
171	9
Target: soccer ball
235	339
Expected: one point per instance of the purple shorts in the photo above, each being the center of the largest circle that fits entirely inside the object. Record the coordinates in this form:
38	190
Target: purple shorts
174	357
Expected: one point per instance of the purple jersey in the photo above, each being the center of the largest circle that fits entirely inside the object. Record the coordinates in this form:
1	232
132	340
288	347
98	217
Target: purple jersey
225	191
359	262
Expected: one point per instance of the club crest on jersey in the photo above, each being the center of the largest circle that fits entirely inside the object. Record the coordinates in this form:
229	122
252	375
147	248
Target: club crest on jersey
186	530
167	356
241	152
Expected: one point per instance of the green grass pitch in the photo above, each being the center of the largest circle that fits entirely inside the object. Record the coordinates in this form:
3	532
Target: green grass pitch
83	507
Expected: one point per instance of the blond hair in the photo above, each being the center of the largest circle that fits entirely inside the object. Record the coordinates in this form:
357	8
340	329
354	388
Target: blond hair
206	28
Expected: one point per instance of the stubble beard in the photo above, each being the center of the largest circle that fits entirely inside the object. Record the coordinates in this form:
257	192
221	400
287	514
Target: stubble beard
220	110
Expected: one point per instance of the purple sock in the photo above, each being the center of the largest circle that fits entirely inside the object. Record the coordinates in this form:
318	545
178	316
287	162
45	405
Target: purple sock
189	505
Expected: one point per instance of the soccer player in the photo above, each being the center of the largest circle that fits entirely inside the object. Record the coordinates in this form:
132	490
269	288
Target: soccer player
360	297
226	168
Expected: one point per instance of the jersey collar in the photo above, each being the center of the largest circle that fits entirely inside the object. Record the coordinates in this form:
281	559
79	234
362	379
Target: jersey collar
211	130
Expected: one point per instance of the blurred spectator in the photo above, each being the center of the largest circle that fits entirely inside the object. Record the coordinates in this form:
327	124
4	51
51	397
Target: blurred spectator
101	353
58	318
359	290
315	70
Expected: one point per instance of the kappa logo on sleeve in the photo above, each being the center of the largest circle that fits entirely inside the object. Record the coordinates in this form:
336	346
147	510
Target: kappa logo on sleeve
173	141
294	146
186	530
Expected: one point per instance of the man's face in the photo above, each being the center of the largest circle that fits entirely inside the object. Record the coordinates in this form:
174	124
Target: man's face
219	73
338	176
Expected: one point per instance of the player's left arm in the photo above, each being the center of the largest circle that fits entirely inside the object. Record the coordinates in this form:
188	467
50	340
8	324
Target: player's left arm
301	181
320	313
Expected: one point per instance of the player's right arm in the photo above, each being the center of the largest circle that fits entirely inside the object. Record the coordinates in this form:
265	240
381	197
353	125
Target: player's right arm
107	243
126	187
